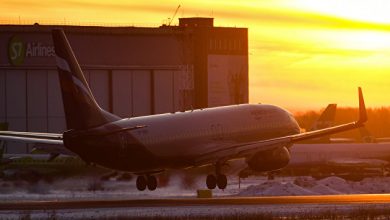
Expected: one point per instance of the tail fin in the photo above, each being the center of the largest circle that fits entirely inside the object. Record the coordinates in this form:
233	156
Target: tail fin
326	119
81	108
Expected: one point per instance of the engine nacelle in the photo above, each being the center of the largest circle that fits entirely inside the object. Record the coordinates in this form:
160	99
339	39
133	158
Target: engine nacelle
270	160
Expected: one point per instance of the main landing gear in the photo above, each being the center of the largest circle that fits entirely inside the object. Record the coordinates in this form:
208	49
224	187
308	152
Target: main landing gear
213	181
146	181
218	179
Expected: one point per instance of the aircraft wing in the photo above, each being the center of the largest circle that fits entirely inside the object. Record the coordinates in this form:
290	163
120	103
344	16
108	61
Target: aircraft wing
32	137
248	149
49	142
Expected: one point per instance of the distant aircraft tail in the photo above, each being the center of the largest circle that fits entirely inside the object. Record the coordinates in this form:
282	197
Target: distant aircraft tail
326	119
81	108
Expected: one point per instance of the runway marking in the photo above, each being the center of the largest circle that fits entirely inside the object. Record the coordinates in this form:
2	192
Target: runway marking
164	202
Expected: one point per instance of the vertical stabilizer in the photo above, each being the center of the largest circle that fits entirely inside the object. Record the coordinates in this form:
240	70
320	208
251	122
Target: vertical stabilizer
81	108
326	119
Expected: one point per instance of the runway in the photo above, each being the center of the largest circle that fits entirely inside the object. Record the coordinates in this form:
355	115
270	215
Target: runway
183	202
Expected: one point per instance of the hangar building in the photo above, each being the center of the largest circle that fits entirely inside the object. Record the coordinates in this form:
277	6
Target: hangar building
132	71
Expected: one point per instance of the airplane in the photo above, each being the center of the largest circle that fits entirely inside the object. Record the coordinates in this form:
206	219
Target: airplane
327	156
148	145
53	150
352	160
326	118
35	167
48	163
345	157
367	137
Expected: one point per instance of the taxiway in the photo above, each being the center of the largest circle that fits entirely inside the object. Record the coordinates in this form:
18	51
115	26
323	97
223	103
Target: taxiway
221	201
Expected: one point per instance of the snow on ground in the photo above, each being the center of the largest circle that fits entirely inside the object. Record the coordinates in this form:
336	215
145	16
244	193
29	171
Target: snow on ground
274	188
89	188
338	184
372	185
308	186
324	190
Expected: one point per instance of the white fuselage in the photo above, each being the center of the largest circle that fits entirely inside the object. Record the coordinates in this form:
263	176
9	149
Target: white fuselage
198	132
182	139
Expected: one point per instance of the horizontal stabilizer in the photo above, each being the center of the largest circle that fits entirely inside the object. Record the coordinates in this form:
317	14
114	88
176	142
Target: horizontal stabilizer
109	132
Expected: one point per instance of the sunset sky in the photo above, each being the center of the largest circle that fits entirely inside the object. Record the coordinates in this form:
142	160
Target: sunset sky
303	54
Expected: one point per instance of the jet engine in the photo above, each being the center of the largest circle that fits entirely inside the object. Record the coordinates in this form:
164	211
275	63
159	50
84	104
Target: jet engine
269	160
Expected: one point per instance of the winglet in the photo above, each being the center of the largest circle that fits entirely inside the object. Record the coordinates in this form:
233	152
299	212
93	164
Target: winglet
362	108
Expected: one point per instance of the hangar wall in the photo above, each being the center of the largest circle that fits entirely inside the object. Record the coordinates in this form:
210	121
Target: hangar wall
31	99
131	71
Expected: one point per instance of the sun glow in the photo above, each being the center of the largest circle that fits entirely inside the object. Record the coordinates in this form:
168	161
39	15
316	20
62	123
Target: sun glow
376	11
366	40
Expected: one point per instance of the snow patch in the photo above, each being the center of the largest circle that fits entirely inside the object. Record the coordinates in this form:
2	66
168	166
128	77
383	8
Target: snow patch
338	184
324	190
274	188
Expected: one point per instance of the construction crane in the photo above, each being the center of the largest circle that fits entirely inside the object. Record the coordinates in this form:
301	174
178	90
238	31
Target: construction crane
174	15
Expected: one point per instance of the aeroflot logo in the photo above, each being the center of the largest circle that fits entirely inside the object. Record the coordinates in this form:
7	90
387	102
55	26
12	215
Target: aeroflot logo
19	50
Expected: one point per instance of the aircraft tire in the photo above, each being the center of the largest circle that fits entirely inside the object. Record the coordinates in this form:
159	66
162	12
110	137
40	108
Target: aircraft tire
211	181
152	183
221	181
141	183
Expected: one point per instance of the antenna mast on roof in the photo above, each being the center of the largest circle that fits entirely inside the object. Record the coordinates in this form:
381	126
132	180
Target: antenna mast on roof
174	14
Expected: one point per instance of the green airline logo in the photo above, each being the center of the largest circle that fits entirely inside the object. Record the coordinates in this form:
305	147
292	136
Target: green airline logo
16	51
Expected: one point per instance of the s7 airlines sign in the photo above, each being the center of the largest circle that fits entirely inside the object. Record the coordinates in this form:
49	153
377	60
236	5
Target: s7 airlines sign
18	50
